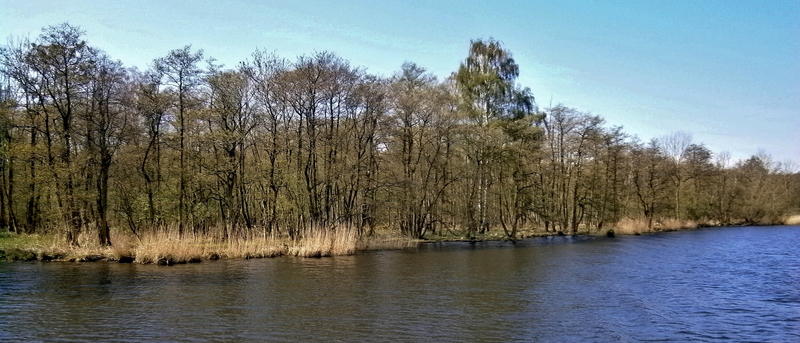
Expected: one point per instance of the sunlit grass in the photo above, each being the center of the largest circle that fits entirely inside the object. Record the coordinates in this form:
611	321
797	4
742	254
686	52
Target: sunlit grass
792	220
629	226
45	247
164	246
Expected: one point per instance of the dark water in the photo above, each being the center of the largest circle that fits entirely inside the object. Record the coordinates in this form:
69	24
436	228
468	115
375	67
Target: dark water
733	284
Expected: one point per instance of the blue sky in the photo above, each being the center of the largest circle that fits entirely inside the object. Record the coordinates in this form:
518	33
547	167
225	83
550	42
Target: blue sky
727	72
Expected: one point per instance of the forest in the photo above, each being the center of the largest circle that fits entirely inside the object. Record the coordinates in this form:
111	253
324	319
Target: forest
280	148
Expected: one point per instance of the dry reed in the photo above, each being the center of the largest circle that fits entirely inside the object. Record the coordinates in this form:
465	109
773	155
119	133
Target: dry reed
164	246
792	220
630	226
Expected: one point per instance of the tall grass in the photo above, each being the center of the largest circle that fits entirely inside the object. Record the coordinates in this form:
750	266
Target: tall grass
165	247
630	226
319	243
792	220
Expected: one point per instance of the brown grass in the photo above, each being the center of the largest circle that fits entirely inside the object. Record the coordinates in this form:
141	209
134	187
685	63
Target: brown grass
792	220
320	243
674	225
629	226
164	247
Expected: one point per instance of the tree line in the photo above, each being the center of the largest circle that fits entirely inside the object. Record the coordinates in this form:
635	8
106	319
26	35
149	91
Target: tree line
279	147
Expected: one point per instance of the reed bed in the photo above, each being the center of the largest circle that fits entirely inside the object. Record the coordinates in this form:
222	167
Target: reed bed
166	248
629	226
792	220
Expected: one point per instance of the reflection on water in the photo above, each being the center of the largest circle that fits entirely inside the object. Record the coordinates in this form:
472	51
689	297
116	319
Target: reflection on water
717	284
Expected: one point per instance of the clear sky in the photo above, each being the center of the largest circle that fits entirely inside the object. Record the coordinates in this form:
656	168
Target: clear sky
727	72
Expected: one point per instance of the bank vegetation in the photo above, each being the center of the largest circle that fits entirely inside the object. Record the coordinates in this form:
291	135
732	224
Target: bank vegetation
314	157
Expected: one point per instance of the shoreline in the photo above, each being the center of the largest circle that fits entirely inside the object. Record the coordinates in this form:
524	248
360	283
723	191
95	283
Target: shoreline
47	248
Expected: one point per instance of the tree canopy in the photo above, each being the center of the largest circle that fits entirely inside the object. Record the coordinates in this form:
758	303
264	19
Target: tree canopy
279	147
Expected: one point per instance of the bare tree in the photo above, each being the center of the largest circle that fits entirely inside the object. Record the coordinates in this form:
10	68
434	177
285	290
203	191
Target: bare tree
106	122
179	69
674	146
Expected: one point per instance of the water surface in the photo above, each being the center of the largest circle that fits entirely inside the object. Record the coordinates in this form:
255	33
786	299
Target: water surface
737	284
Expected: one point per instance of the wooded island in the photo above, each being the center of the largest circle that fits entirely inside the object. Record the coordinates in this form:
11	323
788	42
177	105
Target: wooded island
284	151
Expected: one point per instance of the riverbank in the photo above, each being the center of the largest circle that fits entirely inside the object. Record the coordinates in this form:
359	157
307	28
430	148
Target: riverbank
164	248
167	249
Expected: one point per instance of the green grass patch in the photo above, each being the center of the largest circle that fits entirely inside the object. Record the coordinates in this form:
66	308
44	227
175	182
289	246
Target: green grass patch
15	247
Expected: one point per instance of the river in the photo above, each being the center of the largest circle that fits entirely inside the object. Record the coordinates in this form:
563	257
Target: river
737	284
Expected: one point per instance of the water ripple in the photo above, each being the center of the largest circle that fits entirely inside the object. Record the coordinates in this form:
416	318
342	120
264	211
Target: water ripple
735	284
